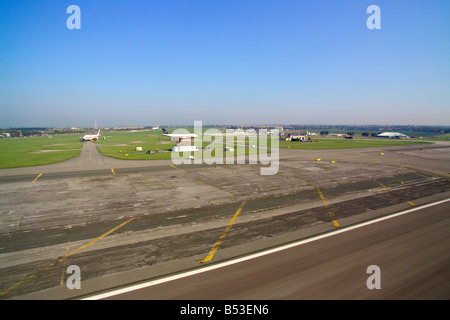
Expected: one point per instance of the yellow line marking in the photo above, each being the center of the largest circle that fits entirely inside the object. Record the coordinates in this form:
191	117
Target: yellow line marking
411	203
95	240
112	170
177	168
322	197
422	175
17	285
382	185
40	174
224	234
434	180
330	213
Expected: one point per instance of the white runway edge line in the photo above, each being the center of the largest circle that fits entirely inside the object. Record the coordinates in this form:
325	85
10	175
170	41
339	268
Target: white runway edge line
254	256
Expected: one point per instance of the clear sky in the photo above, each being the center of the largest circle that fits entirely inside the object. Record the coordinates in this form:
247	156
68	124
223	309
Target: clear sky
136	62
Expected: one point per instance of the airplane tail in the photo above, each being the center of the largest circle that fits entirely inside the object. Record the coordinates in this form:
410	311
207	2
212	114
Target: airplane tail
98	133
165	131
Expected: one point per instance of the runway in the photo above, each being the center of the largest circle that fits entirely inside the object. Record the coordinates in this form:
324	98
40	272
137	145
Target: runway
412	252
126	221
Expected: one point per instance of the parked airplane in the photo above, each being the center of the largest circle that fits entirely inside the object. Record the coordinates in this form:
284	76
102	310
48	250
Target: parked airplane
90	137
184	141
179	136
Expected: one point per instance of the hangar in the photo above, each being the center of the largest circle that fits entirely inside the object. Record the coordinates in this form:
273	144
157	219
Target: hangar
296	135
392	135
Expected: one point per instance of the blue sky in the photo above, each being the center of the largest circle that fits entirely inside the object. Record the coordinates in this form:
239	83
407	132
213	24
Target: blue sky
224	61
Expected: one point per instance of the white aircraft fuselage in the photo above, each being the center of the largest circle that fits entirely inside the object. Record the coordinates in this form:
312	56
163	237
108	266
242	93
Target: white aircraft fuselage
89	137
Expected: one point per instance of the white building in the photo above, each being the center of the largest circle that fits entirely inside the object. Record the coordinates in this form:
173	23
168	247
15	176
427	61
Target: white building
392	135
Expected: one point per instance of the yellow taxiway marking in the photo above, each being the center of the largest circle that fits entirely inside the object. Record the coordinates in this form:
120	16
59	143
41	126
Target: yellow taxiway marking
177	168
382	185
431	179
411	203
224	234
422	175
17	285
112	170
322	197
40	174
95	240
330	213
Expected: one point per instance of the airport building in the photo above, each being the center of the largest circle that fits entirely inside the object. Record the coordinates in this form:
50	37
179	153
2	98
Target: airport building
295	135
392	135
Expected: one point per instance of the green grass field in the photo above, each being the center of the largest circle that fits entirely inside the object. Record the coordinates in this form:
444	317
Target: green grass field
442	137
123	146
35	151
341	143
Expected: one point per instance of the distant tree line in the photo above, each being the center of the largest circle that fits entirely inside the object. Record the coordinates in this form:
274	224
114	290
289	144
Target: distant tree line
25	132
13	133
372	128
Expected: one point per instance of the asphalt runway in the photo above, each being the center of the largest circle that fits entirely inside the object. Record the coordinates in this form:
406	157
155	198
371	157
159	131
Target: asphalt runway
412	252
124	221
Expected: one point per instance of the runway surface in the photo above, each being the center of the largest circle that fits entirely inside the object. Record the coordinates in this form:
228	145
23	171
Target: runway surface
412	252
126	221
